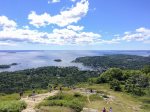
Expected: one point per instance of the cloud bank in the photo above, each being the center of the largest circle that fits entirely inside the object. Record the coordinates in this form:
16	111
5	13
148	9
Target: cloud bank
67	17
63	36
140	34
66	33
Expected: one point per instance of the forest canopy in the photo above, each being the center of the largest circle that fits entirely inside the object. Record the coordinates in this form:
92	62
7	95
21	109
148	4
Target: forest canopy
41	77
118	60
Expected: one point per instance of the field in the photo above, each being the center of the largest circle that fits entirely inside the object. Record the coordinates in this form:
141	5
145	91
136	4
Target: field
73	100
101	97
119	101
70	100
11	103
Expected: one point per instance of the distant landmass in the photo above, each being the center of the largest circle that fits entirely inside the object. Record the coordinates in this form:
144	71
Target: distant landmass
39	58
7	66
4	66
118	60
57	60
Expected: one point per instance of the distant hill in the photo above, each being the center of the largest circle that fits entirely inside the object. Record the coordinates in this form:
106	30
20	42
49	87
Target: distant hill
117	60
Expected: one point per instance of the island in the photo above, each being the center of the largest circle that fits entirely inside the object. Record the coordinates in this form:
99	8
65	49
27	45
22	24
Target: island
57	60
14	64
7	66
4	66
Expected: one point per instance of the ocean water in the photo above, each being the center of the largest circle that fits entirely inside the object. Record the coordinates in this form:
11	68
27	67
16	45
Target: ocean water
34	59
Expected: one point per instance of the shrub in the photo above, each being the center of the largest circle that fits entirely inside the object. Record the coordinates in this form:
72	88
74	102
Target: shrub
101	92
95	97
74	101
109	75
76	105
138	91
105	96
146	69
115	85
101	79
12	106
92	80
6	97
77	95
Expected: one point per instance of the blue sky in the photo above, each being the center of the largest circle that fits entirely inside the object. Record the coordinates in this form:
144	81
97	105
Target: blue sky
75	24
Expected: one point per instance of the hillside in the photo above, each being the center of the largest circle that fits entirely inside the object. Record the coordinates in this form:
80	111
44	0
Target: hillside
125	90
118	61
41	77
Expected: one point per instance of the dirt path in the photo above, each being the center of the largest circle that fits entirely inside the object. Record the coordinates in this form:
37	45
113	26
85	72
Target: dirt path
32	101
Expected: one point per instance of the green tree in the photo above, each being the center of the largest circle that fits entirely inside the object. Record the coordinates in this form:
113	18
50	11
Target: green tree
109	75
146	69
115	85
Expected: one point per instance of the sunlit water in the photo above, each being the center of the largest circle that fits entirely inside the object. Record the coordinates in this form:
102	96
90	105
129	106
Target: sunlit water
34	59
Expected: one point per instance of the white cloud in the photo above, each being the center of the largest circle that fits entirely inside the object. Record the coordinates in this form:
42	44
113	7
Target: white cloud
6	23
58	36
73	0
67	17
112	41
69	35
64	36
53	1
7	44
75	28
73	37
88	38
127	33
140	34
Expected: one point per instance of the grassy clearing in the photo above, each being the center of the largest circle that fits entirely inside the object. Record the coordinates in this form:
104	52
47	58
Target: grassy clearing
11	103
9	97
70	101
12	106
145	103
74	101
119	101
95	97
15	96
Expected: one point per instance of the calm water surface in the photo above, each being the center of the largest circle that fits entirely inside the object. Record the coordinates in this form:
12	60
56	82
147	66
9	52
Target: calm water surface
34	59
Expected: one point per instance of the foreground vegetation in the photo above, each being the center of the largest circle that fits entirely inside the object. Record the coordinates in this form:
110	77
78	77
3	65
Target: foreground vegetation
11	103
136	82
12	106
132	88
124	90
102	96
55	109
119	101
74	101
